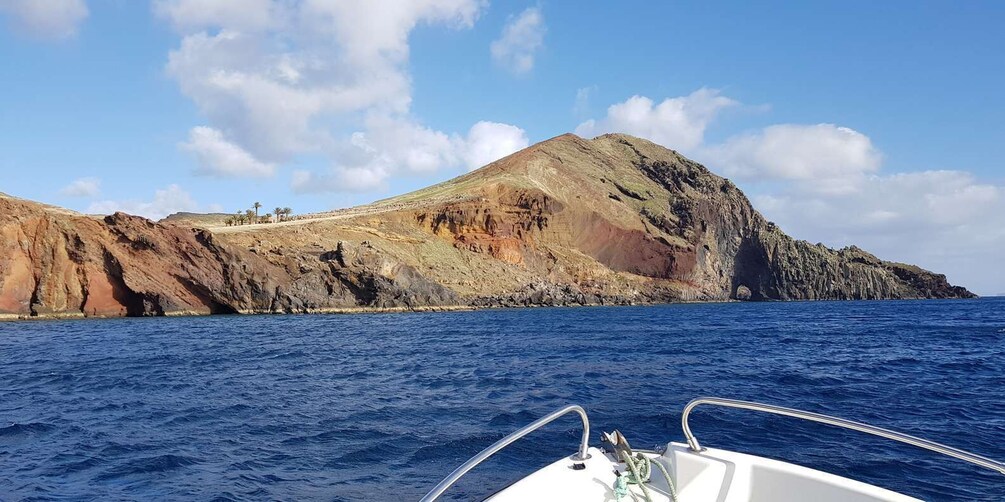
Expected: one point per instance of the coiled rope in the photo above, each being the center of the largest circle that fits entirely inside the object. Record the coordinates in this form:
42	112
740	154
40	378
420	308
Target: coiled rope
639	469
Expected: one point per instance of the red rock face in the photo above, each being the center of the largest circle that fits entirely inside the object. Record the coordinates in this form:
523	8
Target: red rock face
54	262
503	226
629	250
477	229
36	263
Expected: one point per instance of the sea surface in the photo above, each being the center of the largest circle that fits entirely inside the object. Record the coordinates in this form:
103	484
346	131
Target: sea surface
382	406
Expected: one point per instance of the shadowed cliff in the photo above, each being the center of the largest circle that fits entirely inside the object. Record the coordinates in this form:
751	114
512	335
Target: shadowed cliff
613	220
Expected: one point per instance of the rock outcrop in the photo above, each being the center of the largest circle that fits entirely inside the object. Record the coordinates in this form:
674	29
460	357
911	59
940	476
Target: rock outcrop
613	220
57	263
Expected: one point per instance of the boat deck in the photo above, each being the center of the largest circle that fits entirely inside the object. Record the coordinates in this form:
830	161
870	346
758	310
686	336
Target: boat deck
711	476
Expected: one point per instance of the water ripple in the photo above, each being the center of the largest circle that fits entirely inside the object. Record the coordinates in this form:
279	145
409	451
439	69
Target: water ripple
356	407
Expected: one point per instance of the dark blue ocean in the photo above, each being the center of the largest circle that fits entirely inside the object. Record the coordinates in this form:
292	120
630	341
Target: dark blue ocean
381	406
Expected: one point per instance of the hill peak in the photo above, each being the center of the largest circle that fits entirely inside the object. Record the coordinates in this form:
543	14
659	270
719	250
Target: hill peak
613	219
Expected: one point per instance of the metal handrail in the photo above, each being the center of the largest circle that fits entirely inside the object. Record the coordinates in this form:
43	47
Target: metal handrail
692	441
582	454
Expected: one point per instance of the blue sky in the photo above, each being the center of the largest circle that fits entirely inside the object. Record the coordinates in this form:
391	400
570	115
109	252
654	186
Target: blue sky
873	123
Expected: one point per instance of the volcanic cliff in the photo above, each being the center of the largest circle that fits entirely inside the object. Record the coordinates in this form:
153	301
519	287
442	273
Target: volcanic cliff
612	220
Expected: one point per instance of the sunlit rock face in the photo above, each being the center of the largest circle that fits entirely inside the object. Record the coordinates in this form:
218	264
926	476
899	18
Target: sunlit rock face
612	220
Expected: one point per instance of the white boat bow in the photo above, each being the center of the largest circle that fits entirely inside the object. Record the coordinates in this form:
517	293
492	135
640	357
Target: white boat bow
696	474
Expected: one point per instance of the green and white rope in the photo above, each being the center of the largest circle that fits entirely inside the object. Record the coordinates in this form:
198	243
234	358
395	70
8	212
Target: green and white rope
640	470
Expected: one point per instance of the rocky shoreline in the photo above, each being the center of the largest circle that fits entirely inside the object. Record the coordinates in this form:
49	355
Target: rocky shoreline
482	304
338	311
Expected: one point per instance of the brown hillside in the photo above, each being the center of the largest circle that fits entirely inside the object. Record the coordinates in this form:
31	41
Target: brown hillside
615	219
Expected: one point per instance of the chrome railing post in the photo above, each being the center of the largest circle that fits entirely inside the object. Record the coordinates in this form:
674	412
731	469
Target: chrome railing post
694	445
580	455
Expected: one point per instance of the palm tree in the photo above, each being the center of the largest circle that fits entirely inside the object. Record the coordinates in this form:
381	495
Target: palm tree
279	213
239	218
250	215
256	206
287	212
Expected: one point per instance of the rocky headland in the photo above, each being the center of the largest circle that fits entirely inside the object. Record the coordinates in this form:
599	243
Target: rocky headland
569	221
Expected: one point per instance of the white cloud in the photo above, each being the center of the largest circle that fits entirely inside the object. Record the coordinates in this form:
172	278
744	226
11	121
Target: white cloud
521	38
52	19
823	153
218	157
895	202
290	78
395	144
369	158
248	92
83	187
946	221
677	123
341	179
372	34
389	147
284	79
165	201
490	141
